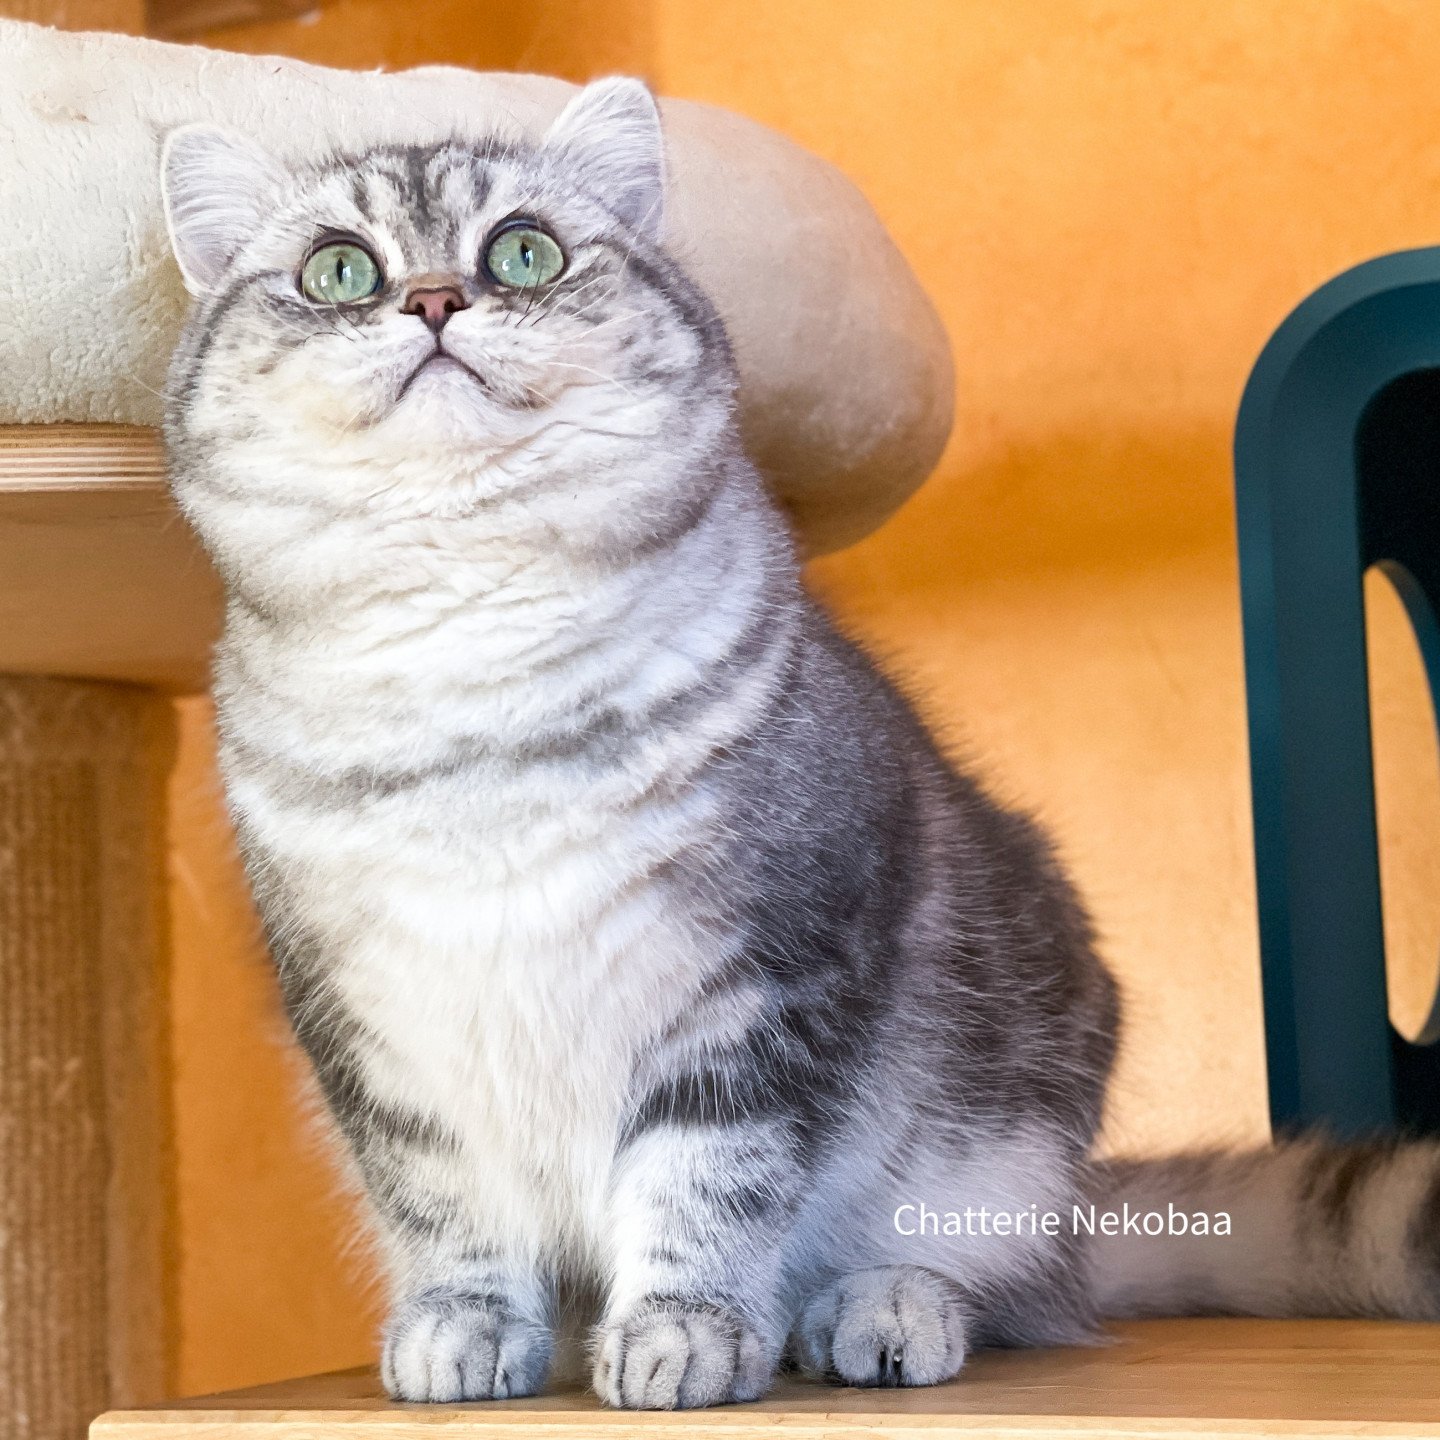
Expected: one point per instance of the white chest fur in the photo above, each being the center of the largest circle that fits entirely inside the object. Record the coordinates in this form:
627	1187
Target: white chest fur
504	923
512	962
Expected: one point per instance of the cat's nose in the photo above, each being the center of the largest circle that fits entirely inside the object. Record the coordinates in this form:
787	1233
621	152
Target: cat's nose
435	304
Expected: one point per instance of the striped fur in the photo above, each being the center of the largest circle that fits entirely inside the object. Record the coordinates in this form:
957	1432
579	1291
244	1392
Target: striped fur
1319	1229
648	952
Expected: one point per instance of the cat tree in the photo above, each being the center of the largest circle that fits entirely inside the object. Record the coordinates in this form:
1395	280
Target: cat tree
107	607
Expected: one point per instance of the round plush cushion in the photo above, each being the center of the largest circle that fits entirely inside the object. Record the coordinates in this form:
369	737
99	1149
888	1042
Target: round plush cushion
846	377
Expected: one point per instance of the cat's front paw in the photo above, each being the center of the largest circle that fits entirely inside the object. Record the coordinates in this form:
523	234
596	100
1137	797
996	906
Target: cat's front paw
672	1355
893	1325
446	1345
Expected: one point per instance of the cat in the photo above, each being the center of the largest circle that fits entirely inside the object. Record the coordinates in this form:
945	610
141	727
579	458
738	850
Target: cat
654	962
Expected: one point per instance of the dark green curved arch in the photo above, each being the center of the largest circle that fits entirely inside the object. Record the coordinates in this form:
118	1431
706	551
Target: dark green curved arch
1337	467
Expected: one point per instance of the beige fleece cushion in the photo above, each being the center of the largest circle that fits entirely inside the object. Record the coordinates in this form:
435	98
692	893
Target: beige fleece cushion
847	381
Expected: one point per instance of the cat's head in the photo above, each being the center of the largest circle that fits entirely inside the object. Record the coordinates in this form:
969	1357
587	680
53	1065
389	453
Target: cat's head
425	330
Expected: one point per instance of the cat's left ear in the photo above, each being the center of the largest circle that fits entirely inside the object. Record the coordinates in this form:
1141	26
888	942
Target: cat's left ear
610	132
217	187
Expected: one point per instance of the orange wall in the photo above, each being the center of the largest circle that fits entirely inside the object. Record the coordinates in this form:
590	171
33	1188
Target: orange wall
125	16
575	39
1113	204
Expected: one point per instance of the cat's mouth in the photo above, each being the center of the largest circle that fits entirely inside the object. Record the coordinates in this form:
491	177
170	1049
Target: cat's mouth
439	361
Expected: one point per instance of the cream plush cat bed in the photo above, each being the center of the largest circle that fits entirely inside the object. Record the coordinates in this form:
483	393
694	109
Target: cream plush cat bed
847	379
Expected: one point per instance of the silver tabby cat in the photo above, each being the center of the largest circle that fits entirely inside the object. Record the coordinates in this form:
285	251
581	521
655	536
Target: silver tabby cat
648	952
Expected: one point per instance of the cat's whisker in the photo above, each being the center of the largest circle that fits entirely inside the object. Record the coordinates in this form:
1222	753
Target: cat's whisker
600	375
148	388
573	295
599	329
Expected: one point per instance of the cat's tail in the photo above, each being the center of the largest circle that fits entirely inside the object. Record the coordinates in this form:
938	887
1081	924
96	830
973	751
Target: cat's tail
1308	1228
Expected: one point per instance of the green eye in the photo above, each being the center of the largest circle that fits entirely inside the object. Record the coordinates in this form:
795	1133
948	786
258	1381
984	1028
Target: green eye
522	256
340	273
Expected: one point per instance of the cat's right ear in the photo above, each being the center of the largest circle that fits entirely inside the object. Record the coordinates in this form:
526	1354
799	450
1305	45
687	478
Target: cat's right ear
217	186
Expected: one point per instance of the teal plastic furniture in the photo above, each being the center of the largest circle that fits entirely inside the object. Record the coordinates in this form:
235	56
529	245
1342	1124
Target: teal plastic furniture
1337	468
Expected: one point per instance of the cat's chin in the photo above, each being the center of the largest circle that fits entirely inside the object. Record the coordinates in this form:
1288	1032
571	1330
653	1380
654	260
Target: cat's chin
440	371
445	399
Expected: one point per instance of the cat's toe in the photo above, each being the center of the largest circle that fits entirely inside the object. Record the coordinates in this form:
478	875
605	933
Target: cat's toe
672	1356
445	1346
896	1325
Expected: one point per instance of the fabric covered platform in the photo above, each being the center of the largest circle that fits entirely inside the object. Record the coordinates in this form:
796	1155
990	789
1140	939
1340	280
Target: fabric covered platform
847	387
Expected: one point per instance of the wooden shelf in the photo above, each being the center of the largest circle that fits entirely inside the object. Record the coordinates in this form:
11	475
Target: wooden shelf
1169	1378
80	457
100	578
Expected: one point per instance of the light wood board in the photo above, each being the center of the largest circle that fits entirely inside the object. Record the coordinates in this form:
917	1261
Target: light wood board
100	578
1171	1378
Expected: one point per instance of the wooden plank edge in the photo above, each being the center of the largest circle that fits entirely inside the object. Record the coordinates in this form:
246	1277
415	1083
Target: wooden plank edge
318	1426
418	1422
45	458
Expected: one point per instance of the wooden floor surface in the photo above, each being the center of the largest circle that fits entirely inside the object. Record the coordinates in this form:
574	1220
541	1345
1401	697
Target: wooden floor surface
1180	1378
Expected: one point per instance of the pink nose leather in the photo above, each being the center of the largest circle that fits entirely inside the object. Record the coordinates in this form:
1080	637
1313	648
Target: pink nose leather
435	304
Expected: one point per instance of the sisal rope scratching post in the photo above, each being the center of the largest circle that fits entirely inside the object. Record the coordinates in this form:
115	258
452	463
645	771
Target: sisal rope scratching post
84	1169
